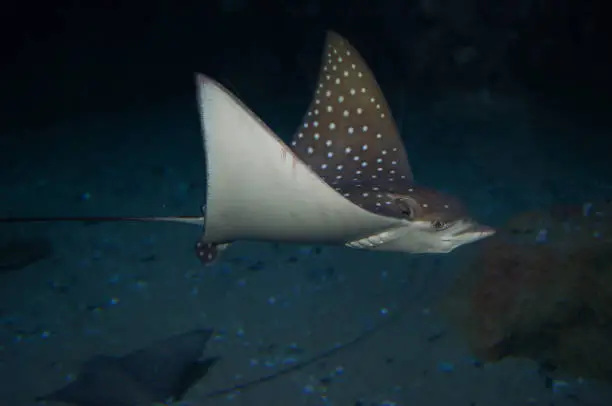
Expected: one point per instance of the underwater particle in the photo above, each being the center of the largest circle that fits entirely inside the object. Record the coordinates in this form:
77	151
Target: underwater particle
475	362
294	349
95	309
384	311
339	370
308	389
559	385
240	332
271	300
85	196
232	395
542	236
586	209
113	301
45	334
387	403
253	362
446	366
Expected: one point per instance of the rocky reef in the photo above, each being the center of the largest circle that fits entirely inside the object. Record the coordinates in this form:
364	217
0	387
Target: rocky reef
542	289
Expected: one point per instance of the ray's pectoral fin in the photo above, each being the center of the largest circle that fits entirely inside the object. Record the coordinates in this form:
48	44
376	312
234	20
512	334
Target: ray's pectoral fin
163	370
208	252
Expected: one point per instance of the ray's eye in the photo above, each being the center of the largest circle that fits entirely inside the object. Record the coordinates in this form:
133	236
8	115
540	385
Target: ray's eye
407	211
405	208
439	225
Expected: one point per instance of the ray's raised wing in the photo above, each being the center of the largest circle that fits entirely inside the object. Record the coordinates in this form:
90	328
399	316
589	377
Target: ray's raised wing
348	135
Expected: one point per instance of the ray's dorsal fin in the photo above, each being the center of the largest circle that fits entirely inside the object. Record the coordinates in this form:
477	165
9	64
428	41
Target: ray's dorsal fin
348	135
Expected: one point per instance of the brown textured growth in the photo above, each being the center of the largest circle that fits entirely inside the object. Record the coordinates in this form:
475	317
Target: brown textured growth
542	289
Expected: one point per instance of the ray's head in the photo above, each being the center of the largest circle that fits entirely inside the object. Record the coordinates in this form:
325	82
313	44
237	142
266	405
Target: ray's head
440	221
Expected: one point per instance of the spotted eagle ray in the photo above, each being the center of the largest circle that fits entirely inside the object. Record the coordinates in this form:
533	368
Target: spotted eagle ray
345	179
150	376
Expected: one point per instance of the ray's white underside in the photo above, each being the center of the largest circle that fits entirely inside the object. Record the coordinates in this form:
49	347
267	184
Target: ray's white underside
259	190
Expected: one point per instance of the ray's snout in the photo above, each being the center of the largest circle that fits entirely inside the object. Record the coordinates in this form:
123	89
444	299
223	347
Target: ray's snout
478	232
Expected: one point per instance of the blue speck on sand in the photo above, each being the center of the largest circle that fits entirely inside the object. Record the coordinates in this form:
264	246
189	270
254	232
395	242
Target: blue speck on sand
446	366
542	236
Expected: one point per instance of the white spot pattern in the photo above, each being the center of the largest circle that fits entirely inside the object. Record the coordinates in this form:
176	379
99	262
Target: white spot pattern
354	142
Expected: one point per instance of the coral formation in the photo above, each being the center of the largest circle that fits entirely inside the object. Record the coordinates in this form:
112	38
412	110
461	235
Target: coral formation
542	289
